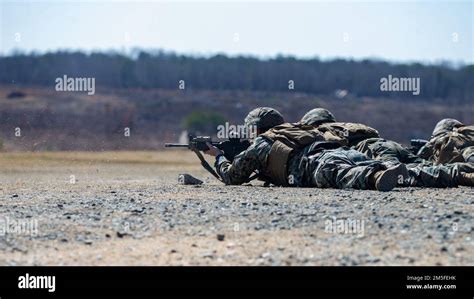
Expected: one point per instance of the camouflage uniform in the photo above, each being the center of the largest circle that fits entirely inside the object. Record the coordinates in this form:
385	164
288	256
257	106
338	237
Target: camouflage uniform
318	116
375	148
317	166
343	168
245	163
337	168
387	150
421	172
451	142
254	159
436	176
310	167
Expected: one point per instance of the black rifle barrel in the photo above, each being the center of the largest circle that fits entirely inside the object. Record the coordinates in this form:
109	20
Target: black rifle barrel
176	145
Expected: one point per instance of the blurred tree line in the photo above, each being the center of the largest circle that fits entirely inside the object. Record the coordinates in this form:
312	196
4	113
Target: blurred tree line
202	122
164	70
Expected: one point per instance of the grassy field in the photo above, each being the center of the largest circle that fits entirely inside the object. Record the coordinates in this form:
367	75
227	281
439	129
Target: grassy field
171	157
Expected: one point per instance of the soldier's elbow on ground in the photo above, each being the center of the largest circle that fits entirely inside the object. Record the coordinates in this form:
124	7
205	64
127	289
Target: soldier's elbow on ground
230	181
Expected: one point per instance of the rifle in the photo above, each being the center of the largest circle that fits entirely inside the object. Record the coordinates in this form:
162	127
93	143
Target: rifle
230	148
416	145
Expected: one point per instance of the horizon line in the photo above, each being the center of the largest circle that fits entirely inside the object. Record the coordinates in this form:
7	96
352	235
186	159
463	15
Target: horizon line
132	52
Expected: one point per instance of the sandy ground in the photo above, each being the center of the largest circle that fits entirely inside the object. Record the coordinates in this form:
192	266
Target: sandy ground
126	208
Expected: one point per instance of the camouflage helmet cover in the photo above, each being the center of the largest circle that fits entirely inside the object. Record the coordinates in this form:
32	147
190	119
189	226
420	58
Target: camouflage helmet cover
446	125
317	116
264	118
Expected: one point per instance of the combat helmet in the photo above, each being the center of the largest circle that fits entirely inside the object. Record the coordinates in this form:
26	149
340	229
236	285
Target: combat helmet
263	118
317	116
446	125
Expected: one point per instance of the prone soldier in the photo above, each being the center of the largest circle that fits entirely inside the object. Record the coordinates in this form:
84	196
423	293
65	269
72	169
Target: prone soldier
366	140
287	154
451	141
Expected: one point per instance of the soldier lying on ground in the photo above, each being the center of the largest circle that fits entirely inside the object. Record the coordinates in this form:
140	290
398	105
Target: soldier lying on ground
451	142
367	140
286	154
360	137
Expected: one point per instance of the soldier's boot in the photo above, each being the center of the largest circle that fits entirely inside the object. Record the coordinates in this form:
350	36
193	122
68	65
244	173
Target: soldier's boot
386	180
466	179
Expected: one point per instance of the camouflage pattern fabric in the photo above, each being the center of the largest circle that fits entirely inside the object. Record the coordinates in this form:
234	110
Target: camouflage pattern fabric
338	168
264	118
353	133
454	146
244	164
386	150
422	173
254	159
436	176
468	154
317	116
445	126
343	168
450	146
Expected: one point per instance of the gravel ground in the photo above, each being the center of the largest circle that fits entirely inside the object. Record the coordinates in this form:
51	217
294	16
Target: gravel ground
111	209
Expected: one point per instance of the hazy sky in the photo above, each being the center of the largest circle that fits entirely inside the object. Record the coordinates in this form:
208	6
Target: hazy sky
400	31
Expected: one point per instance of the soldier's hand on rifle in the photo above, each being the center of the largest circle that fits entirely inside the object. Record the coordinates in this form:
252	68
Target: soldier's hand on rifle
212	151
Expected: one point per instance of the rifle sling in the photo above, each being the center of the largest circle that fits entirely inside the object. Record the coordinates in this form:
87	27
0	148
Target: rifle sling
253	177
206	165
212	171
